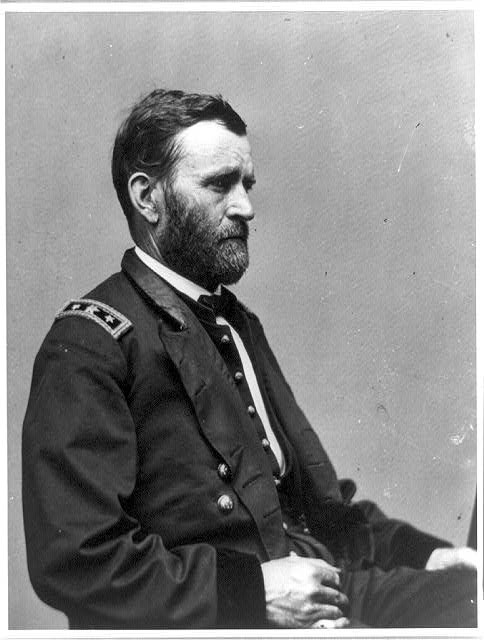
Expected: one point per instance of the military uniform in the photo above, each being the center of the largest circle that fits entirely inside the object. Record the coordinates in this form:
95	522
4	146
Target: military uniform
149	494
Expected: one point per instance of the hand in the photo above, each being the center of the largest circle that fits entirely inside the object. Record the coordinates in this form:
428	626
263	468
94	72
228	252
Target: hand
303	592
462	557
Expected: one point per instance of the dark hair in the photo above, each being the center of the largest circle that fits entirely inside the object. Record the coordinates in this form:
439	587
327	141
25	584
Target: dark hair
146	139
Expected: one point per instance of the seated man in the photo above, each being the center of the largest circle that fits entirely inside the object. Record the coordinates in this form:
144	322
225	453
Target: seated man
169	477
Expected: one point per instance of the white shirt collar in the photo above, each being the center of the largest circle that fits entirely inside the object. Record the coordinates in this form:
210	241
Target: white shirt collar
180	283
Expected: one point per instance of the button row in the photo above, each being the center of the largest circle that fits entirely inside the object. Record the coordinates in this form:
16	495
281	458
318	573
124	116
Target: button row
225	474
225	504
223	471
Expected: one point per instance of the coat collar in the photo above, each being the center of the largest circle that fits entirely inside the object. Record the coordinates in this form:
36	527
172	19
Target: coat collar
160	293
156	289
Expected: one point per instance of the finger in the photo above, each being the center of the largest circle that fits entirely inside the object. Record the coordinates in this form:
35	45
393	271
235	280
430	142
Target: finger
340	623
327	595
328	577
327	612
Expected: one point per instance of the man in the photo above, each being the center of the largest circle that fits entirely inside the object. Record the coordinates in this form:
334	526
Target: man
169	477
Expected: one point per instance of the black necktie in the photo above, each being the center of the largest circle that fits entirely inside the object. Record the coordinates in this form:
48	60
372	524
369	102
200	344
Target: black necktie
222	305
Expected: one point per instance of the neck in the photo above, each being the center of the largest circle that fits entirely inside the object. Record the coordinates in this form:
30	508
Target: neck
148	245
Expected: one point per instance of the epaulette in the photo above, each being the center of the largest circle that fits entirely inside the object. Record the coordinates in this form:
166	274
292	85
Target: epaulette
108	318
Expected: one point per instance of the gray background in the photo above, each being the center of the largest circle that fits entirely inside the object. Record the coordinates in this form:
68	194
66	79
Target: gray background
363	246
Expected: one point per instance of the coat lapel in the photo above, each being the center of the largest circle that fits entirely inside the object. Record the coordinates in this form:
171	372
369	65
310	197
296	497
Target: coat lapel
201	368
221	414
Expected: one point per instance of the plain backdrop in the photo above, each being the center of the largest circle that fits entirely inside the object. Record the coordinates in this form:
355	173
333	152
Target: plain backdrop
363	246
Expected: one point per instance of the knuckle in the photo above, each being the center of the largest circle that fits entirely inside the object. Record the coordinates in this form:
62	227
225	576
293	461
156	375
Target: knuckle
335	578
306	608
312	571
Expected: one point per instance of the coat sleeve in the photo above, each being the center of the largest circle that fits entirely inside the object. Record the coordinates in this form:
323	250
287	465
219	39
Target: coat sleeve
397	543
86	554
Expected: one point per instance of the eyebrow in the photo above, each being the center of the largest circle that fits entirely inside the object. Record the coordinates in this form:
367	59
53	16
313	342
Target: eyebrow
233	173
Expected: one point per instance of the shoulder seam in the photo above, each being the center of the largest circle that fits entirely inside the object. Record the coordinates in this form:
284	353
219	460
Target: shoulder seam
248	311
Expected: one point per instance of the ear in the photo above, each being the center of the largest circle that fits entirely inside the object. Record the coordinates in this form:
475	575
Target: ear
141	188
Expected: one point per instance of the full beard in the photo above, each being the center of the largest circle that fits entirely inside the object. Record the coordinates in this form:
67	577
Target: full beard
206	254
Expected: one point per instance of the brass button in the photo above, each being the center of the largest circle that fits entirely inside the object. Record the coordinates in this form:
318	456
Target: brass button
225	503
238	376
225	339
284	526
223	471
306	530
251	410
265	444
277	481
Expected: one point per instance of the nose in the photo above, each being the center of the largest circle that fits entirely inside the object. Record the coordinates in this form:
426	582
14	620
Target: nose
240	205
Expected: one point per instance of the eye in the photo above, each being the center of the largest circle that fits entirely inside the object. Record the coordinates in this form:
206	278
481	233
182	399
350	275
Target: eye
222	183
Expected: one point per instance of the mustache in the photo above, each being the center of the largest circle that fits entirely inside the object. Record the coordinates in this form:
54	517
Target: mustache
237	229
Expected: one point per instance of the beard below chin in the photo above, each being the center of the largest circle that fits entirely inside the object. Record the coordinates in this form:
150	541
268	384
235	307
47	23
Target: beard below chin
232	262
209	265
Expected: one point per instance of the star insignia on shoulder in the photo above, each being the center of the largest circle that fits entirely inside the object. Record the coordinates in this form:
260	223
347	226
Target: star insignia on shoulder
108	318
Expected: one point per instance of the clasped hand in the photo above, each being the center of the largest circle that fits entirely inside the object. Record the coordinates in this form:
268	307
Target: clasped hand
303	592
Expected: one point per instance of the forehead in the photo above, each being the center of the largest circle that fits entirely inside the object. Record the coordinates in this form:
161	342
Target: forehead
208	145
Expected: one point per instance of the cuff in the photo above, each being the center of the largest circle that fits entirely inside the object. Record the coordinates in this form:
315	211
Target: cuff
240	591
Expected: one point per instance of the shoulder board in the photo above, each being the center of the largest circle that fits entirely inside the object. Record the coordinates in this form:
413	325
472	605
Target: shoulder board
114	322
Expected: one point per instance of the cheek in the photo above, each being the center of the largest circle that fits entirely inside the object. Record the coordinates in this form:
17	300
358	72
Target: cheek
210	205
213	206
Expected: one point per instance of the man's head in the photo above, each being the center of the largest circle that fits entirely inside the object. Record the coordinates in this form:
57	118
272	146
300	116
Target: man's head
182	169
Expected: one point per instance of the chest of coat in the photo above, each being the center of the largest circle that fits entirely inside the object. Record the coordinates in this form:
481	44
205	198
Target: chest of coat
201	469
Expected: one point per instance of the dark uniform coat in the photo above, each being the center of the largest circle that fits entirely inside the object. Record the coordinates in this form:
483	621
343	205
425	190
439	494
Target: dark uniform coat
148	499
